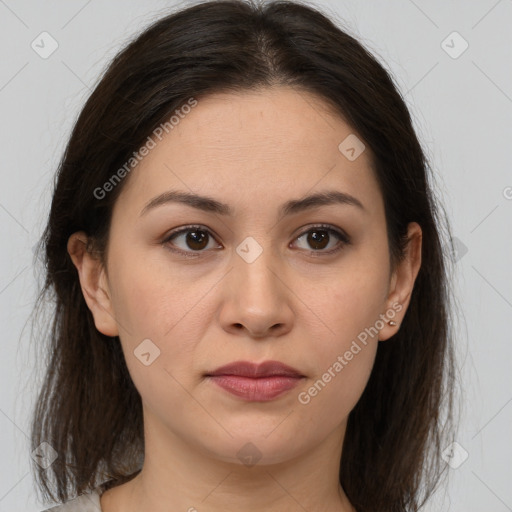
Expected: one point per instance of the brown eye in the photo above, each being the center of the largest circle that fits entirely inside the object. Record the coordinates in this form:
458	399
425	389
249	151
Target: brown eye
196	240
318	238
191	239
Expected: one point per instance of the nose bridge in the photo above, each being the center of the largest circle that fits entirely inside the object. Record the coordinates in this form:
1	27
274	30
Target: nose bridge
256	266
257	299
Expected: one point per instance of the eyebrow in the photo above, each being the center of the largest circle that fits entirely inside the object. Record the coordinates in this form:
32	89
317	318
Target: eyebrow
210	205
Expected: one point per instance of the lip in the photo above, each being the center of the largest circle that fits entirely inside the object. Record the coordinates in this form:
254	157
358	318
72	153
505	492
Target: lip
255	370
256	382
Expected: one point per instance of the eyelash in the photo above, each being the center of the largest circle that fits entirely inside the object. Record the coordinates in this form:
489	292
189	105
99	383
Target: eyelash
344	240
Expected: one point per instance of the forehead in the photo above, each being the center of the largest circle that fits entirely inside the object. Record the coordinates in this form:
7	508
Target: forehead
254	146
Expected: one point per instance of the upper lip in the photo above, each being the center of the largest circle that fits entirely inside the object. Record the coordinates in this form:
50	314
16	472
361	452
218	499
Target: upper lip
249	369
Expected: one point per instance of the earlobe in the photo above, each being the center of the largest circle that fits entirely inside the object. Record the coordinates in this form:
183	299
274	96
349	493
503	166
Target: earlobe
93	283
402	282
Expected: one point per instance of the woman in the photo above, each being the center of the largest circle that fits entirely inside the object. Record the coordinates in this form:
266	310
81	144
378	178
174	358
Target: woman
252	300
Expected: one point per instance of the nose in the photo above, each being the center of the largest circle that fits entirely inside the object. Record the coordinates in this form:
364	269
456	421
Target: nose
256	298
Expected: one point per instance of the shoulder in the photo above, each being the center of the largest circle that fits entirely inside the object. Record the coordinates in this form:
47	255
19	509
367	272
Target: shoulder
88	502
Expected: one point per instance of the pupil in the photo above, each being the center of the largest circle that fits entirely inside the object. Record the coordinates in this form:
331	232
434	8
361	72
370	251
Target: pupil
316	240
195	239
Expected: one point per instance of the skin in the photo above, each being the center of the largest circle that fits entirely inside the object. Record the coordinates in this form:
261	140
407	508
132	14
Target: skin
254	151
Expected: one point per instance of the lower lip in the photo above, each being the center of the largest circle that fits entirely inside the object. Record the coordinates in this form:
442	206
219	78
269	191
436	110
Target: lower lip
259	389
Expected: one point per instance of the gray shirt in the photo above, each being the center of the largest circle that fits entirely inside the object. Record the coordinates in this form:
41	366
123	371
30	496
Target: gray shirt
87	502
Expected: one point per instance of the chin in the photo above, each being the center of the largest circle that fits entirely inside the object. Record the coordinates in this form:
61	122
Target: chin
260	449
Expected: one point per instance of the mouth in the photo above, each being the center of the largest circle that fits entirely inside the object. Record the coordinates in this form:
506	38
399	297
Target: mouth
256	382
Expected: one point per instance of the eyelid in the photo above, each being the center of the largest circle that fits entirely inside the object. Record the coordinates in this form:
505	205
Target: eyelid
344	238
185	229
325	227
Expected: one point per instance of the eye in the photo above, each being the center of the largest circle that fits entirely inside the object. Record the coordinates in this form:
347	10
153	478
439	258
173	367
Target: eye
318	237
196	239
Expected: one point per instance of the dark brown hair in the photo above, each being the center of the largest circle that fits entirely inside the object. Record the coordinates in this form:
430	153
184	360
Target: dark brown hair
88	409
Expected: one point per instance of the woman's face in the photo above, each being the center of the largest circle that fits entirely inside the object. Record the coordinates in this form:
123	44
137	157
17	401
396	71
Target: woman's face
260	282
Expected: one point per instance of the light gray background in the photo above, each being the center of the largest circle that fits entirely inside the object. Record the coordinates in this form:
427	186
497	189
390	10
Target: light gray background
462	109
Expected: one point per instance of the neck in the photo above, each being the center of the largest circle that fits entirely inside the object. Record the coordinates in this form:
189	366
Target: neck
179	476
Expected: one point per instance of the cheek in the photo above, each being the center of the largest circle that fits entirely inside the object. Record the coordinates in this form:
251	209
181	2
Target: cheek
157	349
353	307
157	314
342	359
149	299
339	387
350	307
358	294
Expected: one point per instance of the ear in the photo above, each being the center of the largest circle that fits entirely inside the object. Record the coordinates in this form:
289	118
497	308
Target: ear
402	281
94	283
